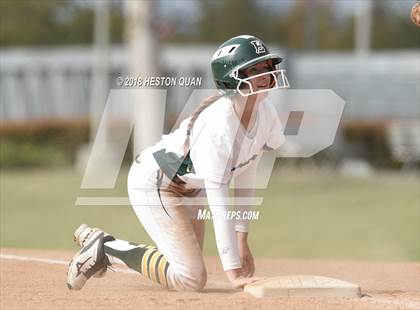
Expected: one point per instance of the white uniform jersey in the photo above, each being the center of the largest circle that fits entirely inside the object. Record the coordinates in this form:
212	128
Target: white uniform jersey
219	146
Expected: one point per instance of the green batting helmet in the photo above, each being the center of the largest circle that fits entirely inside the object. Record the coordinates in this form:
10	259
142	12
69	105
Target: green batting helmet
236	54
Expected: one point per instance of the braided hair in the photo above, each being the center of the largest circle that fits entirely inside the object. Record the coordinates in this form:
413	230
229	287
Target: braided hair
206	103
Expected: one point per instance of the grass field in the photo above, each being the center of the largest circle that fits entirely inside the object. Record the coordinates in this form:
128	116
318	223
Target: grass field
303	215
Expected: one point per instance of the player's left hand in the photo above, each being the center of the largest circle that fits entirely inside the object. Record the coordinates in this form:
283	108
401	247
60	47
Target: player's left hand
247	260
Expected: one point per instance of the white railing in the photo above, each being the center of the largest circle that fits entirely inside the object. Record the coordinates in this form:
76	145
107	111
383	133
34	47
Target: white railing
55	82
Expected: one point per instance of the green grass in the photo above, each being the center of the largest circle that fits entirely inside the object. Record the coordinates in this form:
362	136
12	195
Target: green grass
303	215
337	217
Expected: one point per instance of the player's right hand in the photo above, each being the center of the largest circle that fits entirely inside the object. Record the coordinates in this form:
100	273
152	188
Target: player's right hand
237	279
241	282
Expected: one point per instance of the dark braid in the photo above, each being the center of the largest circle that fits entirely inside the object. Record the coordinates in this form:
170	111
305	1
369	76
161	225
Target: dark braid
207	102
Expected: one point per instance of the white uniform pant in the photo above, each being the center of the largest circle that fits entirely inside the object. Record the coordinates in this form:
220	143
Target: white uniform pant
174	227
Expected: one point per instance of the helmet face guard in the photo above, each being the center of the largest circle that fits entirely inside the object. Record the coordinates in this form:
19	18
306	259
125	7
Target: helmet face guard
278	76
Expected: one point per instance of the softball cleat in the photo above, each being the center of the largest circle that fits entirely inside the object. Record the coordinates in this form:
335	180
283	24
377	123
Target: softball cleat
82	236
87	262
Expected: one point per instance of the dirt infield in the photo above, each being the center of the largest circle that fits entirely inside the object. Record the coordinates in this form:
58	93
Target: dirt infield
28	283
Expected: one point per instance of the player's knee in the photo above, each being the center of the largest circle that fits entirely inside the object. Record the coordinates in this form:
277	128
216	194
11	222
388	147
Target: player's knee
195	281
199	281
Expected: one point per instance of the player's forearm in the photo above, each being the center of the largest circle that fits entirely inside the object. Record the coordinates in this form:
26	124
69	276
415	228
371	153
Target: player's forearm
245	189
241	236
224	229
242	223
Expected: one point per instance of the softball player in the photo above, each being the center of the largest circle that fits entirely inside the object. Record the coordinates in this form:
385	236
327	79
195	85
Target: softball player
222	142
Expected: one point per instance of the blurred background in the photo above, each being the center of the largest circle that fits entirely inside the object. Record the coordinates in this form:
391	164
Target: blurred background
358	199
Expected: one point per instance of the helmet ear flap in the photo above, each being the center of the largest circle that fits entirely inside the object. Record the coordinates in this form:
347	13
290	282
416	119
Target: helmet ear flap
220	84
224	85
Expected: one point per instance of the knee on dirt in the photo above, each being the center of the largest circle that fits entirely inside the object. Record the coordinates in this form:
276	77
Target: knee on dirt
194	283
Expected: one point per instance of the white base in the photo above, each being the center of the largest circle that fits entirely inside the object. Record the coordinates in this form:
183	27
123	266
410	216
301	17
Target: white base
303	286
